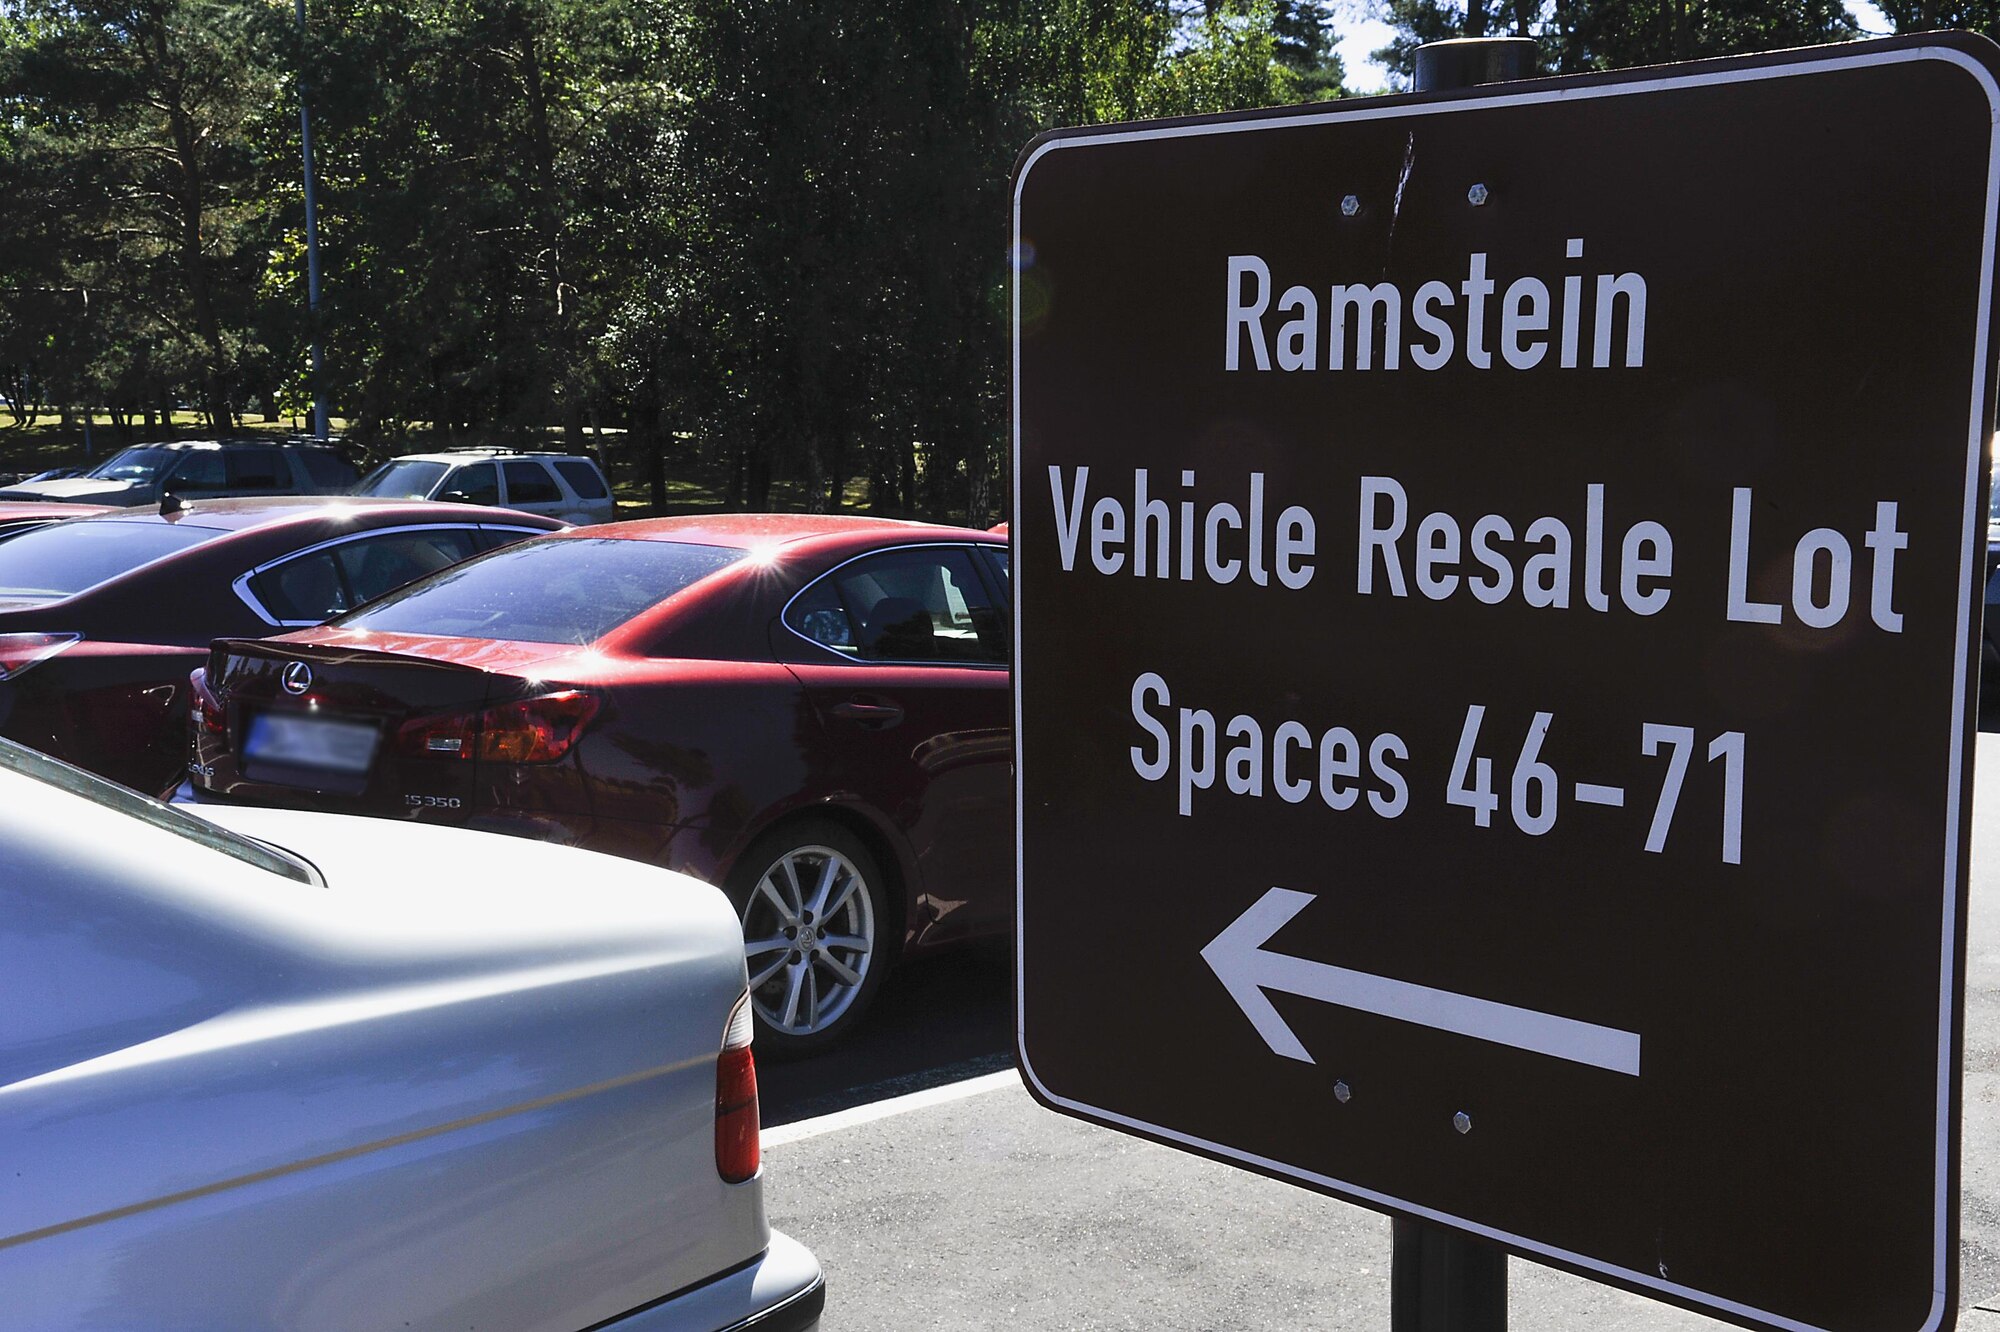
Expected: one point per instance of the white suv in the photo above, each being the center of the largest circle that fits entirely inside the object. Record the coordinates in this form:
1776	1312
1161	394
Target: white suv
568	486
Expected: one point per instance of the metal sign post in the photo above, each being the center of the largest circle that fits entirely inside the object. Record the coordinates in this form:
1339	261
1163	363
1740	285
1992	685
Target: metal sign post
1441	1281
1497	586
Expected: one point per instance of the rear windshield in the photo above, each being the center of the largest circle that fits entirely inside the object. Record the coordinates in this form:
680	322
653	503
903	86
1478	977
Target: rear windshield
63	559
410	479
573	590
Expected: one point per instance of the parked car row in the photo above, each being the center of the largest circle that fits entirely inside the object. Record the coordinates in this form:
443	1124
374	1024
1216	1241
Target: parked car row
414	1074
809	711
103	616
147	473
565	486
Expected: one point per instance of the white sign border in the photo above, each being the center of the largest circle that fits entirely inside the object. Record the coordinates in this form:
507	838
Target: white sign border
1947	1072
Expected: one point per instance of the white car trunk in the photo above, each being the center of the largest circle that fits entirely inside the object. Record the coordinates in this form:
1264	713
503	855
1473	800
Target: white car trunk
468	1081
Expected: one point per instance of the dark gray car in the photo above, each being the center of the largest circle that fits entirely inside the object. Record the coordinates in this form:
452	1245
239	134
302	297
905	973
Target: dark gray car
198	469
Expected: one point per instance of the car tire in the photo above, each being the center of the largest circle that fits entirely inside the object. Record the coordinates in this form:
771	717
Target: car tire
817	934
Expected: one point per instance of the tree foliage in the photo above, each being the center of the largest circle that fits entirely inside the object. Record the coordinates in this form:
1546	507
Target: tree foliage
1582	36
766	234
132	225
1981	16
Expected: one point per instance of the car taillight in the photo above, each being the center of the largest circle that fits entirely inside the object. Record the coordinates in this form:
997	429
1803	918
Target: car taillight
20	651
205	710
529	730
738	1150
535	730
439	737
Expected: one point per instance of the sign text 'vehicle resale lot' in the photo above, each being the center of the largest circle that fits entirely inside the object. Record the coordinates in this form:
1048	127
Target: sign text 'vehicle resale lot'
1498	589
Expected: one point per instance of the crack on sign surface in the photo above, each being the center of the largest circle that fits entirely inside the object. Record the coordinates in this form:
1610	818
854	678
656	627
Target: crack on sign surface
1396	206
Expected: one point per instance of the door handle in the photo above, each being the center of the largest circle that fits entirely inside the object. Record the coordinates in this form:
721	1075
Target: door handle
877	714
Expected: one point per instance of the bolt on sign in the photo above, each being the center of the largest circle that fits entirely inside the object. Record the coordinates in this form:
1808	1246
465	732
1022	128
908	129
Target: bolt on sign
1498	593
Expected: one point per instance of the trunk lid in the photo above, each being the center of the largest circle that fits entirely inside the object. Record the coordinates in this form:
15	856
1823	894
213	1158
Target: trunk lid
350	721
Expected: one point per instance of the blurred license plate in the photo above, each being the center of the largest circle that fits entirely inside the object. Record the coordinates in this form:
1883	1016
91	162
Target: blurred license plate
314	743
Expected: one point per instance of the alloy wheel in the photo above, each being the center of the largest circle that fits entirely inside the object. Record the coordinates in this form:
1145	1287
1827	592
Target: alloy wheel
809	934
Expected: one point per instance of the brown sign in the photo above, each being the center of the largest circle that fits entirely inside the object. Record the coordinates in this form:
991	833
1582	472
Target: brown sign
1498	584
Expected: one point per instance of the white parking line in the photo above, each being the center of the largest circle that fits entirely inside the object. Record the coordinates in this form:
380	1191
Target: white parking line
895	1105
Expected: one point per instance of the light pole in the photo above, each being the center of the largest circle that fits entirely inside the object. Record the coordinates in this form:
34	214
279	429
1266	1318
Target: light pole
87	451
312	234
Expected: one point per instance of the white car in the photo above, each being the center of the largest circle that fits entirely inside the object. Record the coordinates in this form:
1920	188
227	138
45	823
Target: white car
568	486
356	1074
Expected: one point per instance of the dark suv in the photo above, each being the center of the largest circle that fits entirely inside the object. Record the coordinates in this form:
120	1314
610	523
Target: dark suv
199	469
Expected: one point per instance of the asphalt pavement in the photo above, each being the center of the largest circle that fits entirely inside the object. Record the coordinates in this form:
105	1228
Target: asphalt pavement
936	1020
938	1195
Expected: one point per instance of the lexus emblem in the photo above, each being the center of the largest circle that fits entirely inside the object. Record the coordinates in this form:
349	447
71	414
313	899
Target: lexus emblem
297	678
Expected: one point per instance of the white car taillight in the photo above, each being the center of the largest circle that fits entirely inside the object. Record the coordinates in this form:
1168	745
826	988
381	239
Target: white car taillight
738	1151
20	651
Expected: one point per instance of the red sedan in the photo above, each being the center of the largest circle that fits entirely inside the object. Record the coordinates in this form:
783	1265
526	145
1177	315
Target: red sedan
810	711
102	617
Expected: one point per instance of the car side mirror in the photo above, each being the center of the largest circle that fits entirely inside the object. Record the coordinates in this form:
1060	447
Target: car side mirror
455	497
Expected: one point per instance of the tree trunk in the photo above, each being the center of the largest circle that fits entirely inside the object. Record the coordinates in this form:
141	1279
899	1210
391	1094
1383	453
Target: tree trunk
834	465
188	201
980	497
815	486
563	387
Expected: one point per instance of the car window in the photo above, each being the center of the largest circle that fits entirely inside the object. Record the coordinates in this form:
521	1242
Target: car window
327	470
405	478
569	590
375	565
582	478
924	604
135	464
303	590
819	615
528	483
66	558
200	469
997	560
479	483
257	469
323	583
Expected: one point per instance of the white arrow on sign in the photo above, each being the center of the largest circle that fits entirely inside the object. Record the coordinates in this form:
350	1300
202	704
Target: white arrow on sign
1246	969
